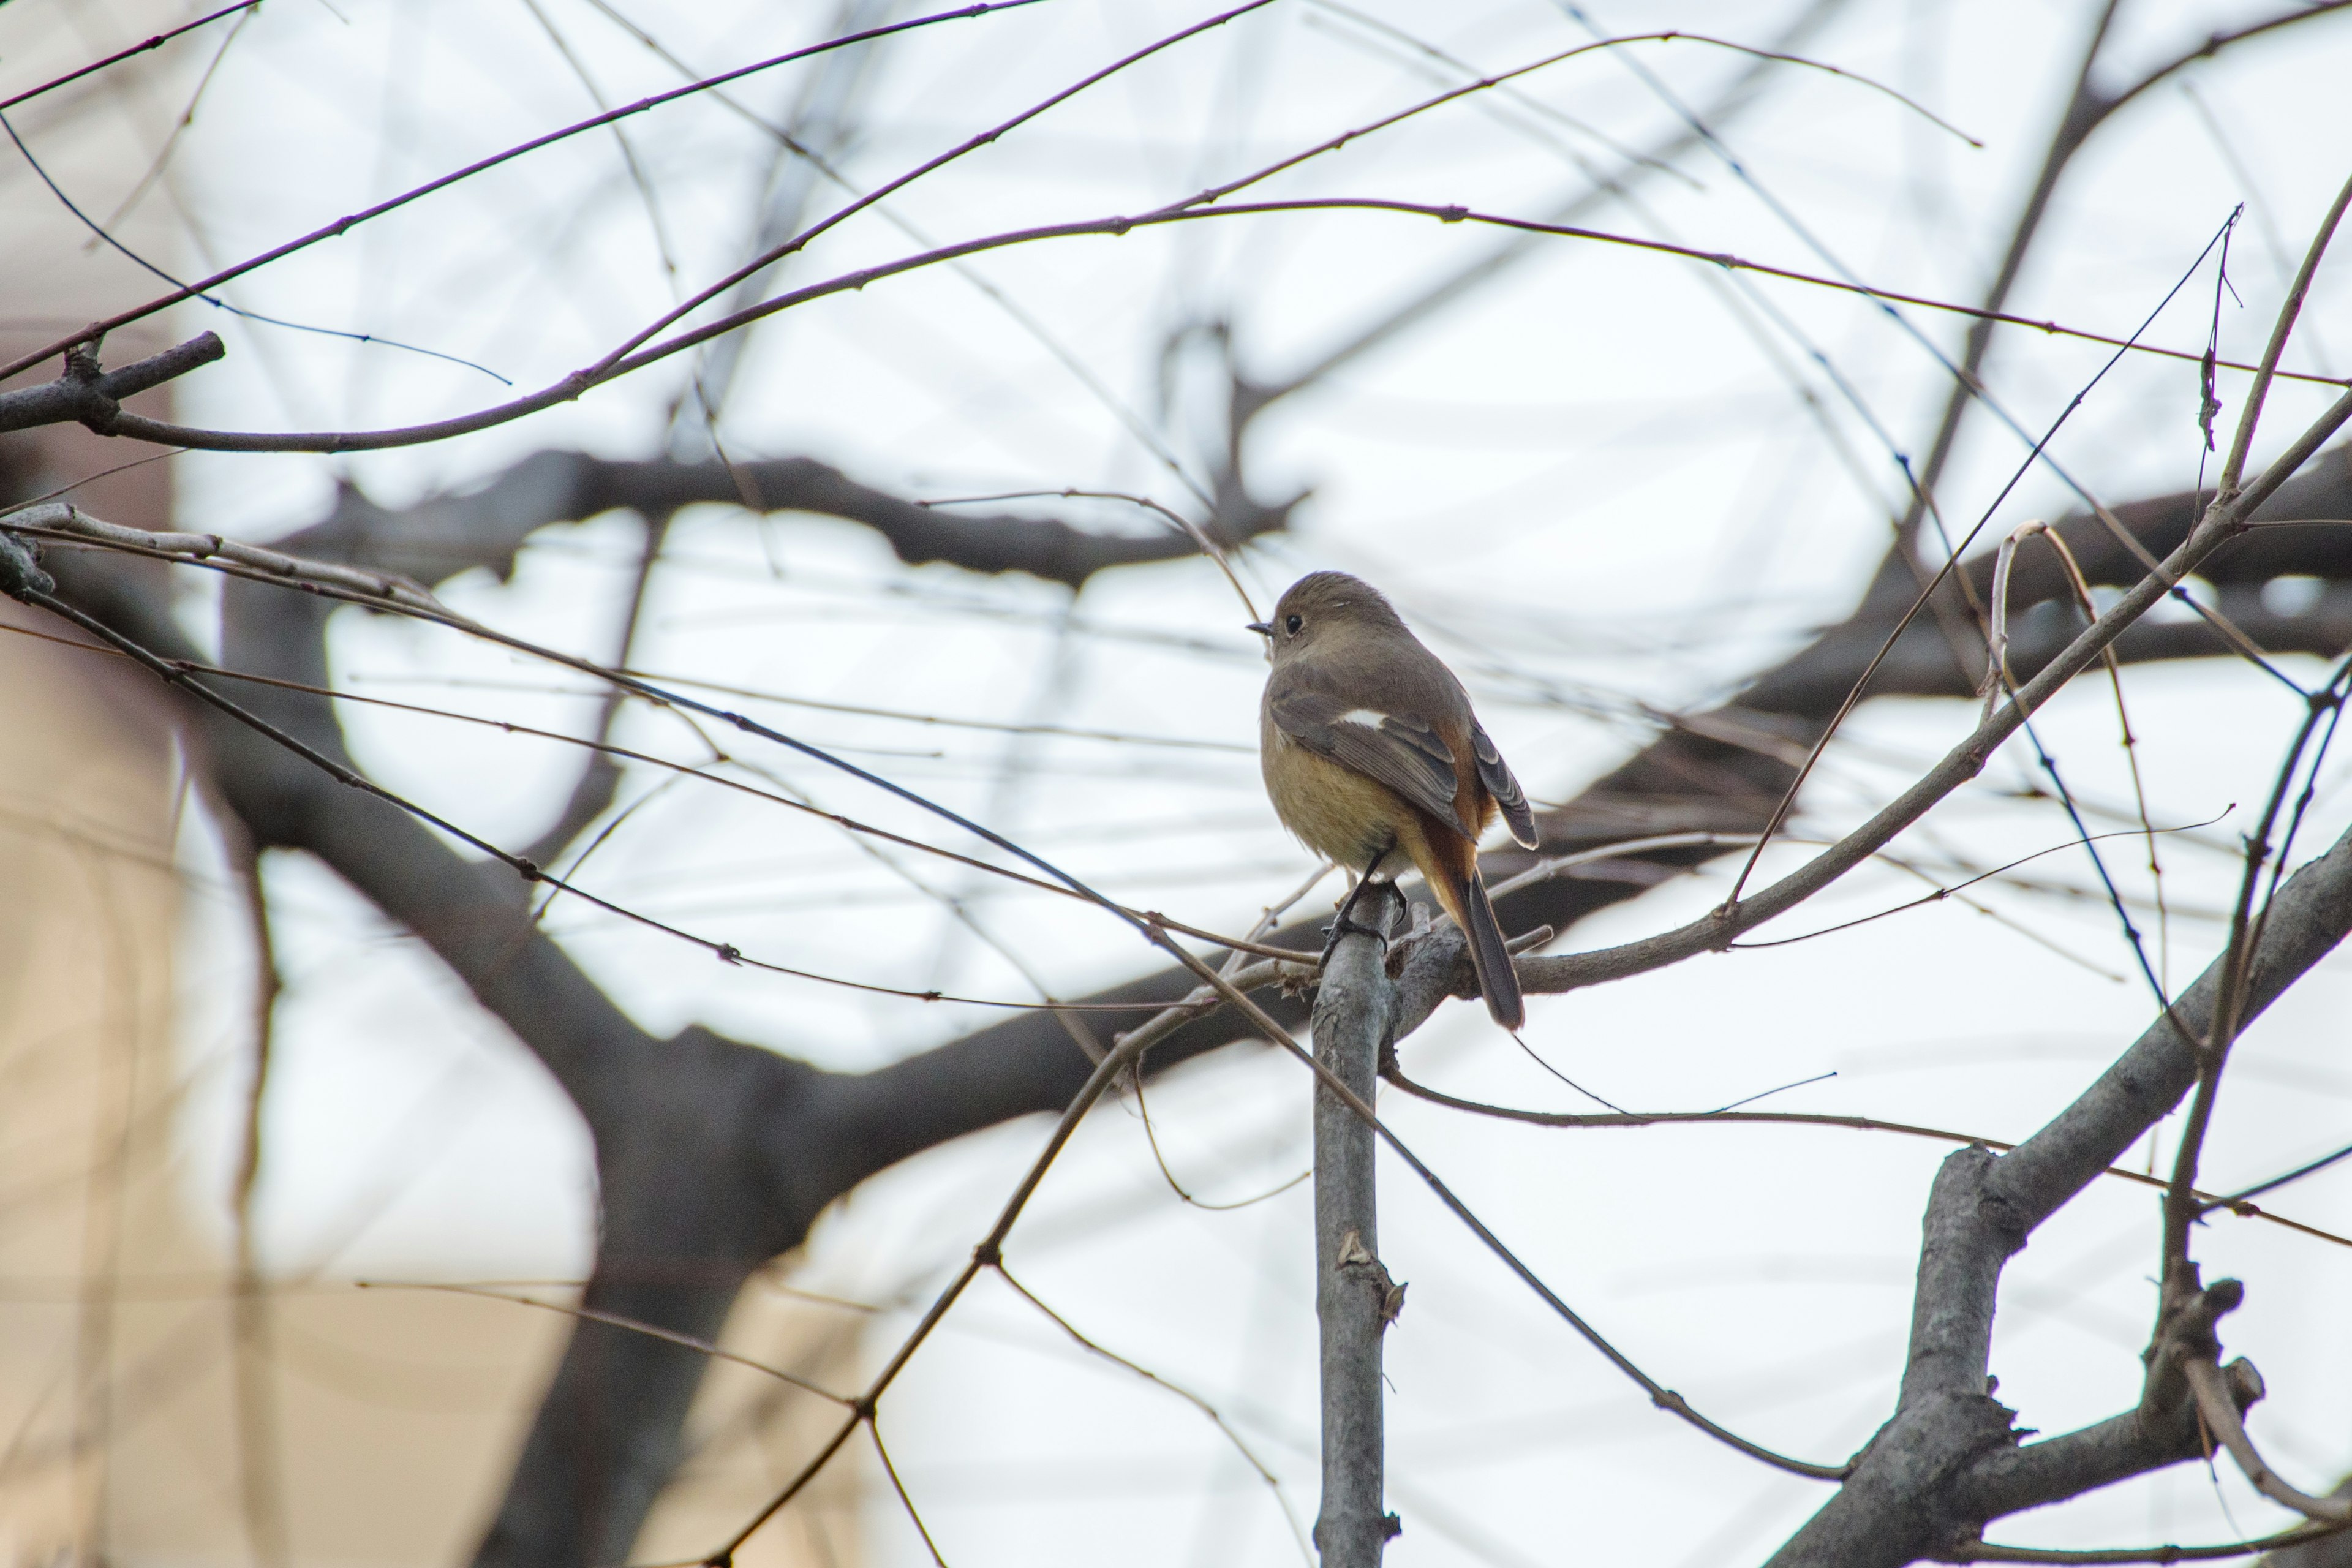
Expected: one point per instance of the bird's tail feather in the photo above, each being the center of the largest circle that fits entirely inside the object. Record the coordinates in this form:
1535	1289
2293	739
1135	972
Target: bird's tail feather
1464	897
1497	979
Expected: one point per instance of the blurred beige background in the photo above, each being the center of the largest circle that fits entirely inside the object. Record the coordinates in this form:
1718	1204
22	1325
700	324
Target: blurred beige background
142	1417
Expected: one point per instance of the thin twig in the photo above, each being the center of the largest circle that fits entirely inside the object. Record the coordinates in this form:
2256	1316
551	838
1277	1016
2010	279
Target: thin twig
1216	1419
1663	1397
1395	1074
2219	1411
2180	1204
727	953
1986	1552
1926	596
881	1451
342	226
1942	892
155	42
614	1320
1962	763
611	368
701	771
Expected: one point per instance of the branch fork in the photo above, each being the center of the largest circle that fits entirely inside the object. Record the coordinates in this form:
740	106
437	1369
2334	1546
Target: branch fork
66	523
88	395
2184	1371
2185	1334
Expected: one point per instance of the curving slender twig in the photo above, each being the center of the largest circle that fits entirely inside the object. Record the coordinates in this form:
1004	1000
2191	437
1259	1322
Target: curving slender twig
1987	1551
1393	1072
155	42
343	225
612	368
2219	1411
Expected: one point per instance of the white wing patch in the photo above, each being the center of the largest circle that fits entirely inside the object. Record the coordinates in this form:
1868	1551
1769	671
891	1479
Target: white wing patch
1399	752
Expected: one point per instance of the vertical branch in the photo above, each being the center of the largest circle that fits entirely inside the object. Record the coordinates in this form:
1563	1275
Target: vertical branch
2085	109
824	122
2241	443
1355	1300
2180	1283
600	776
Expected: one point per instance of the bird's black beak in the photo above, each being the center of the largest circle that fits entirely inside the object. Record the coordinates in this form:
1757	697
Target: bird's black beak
1261	627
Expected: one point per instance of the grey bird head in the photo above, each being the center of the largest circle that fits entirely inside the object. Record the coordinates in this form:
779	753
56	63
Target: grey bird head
1322	608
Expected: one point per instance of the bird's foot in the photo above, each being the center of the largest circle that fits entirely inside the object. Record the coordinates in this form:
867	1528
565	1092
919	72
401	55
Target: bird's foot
1348	925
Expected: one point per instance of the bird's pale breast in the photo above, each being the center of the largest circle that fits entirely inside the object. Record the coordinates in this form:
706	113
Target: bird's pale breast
1335	811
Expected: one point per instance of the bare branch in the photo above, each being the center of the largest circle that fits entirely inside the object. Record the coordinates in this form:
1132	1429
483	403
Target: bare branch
2087	109
613	366
1737	97
437	539
2221	1413
63	521
155	42
2292	1547
85	394
335	230
1716	929
1948	1460
1355	1298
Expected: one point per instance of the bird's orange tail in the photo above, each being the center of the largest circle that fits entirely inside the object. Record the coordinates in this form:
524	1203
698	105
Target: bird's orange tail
1462	893
1492	959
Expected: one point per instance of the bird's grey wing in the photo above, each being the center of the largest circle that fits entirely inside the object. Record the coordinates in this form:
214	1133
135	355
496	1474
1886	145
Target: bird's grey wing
1397	750
1495	775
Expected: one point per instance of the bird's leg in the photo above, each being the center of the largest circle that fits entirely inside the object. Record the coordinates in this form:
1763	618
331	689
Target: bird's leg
1343	923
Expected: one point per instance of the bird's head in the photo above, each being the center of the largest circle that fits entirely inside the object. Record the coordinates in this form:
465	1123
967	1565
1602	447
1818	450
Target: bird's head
1323	608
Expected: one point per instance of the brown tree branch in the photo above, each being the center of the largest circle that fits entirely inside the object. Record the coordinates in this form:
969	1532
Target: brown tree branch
87	395
1949	1461
614	367
2088	107
1355	1298
439	538
97	330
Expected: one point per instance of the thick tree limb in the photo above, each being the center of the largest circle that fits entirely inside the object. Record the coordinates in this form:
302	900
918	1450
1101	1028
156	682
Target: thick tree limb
437	539
1948	1461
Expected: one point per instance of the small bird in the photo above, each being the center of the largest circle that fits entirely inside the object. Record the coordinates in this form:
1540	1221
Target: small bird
1373	757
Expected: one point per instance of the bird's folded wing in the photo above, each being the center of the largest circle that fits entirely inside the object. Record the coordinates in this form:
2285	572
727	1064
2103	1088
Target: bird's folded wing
1495	775
1398	750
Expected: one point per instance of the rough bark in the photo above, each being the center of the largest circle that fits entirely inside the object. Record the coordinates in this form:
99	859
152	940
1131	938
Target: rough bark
1354	1297
1949	1461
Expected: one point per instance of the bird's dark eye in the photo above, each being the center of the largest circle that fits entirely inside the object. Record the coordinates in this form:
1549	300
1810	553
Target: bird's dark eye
1291	625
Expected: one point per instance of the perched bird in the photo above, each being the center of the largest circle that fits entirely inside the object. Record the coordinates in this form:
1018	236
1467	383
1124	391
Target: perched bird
1373	758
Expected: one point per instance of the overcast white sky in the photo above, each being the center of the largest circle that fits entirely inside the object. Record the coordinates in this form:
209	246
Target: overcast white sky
1594	485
